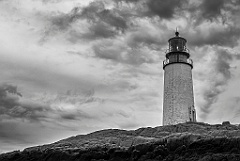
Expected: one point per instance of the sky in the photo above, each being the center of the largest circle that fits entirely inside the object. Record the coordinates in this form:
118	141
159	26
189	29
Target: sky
71	67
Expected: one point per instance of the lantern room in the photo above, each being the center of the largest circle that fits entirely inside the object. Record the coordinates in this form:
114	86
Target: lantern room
177	43
177	51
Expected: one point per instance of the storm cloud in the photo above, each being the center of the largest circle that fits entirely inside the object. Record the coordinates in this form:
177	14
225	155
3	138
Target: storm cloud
215	77
121	53
211	10
163	9
227	36
14	106
99	22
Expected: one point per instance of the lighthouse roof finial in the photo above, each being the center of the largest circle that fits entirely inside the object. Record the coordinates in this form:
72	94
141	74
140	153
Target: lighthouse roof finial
177	33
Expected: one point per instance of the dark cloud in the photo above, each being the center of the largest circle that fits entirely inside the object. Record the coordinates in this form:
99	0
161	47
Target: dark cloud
69	116
218	78
13	105
76	115
211	9
96	12
147	37
5	88
216	36
120	53
102	22
98	30
215	10
9	96
108	23
164	9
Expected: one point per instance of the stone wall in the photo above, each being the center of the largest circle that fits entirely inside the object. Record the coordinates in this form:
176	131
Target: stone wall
178	98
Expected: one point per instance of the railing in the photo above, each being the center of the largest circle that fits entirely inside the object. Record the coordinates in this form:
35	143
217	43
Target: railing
177	50
189	62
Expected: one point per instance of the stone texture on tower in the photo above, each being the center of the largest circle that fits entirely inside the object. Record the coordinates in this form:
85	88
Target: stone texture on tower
178	102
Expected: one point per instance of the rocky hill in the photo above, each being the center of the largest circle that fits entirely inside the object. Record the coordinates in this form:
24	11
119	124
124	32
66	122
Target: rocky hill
181	142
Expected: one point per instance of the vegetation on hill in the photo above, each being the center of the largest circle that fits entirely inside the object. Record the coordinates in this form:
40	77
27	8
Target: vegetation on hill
181	142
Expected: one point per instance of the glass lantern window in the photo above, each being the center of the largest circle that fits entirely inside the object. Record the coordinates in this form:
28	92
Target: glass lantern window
177	44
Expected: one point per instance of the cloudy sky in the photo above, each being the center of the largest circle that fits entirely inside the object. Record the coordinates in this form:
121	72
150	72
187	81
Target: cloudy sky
71	67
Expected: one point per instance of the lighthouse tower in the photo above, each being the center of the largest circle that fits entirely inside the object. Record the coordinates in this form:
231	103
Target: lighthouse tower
178	101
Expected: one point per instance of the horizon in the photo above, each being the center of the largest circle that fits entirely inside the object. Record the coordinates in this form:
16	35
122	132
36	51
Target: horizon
74	67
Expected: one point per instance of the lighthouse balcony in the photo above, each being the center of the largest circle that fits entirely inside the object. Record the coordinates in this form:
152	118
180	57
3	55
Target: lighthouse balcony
186	61
177	49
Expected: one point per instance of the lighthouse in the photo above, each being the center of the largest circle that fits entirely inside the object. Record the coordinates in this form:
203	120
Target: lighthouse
178	101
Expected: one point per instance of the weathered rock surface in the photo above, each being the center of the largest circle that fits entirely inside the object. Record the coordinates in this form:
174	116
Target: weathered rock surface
181	142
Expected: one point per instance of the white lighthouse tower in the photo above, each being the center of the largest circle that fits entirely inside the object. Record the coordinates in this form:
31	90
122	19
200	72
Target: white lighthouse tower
178	101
